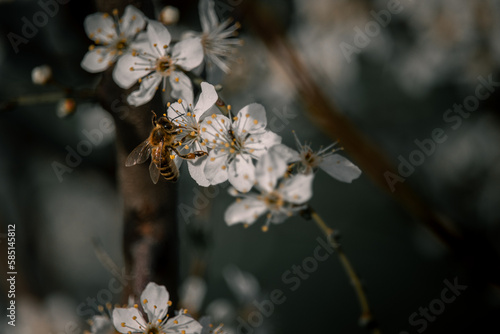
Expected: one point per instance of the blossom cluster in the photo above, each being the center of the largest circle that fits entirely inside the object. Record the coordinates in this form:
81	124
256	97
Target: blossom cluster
219	145
141	51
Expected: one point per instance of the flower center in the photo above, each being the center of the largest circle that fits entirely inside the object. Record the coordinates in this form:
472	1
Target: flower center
274	201
121	44
152	330
164	65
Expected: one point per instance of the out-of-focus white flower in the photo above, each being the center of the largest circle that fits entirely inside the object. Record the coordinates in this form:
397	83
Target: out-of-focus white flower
155	303
279	200
187	118
65	107
101	324
235	142
219	45
169	15
40	75
192	292
155	62
308	161
113	37
243	284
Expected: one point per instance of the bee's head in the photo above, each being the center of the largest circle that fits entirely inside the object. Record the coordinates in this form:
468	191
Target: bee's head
165	123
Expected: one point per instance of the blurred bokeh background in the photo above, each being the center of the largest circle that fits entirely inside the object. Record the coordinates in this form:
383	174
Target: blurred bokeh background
395	83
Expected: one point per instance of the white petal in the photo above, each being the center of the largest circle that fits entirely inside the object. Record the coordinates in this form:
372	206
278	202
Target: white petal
154	301
245	211
183	324
262	142
159	35
297	189
242	173
188	53
175	110
251	119
197	171
286	153
100	28
133	21
212	126
122	75
97	60
181	87
340	168
208	17
146	91
125	316
269	169
214	171
207	99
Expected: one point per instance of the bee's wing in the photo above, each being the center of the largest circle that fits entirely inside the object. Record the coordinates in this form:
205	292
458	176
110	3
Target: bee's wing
139	155
154	172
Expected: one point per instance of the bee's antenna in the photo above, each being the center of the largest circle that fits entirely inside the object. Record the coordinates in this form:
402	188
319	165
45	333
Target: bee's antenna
154	117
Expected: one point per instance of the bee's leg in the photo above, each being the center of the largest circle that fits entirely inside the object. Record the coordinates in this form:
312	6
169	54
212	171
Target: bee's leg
191	155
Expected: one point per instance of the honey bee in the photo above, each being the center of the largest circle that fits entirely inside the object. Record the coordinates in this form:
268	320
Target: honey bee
160	145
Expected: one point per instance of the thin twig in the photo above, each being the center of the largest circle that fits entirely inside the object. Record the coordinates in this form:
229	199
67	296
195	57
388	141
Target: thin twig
366	319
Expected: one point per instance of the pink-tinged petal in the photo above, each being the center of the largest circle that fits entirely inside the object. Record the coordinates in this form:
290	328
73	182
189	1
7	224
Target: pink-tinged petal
182	324
122	73
269	169
261	143
146	91
208	17
297	189
251	119
207	99
133	21
99	28
340	168
242	173
97	60
154	301
188	53
245	211
197	171
123	320
159	35
182	88
216	167
286	153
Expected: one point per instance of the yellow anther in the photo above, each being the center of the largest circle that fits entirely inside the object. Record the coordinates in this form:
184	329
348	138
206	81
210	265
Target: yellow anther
209	122
214	115
123	324
136	306
265	228
212	159
145	301
245	225
247	115
172	157
179	100
186	147
176	79
192	133
131	68
228	107
227	145
165	46
235	118
168	104
203	129
223	167
255	121
134	317
91	47
115	11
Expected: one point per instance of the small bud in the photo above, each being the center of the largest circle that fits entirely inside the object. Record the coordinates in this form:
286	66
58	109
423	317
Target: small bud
169	15
66	107
40	75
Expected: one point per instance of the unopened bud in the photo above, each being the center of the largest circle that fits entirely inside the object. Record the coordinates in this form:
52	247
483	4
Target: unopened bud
66	107
169	15
41	74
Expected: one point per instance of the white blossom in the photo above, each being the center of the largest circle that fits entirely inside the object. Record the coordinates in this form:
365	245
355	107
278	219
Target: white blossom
169	15
113	37
155	303
188	118
235	143
155	62
217	38
278	199
308	161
